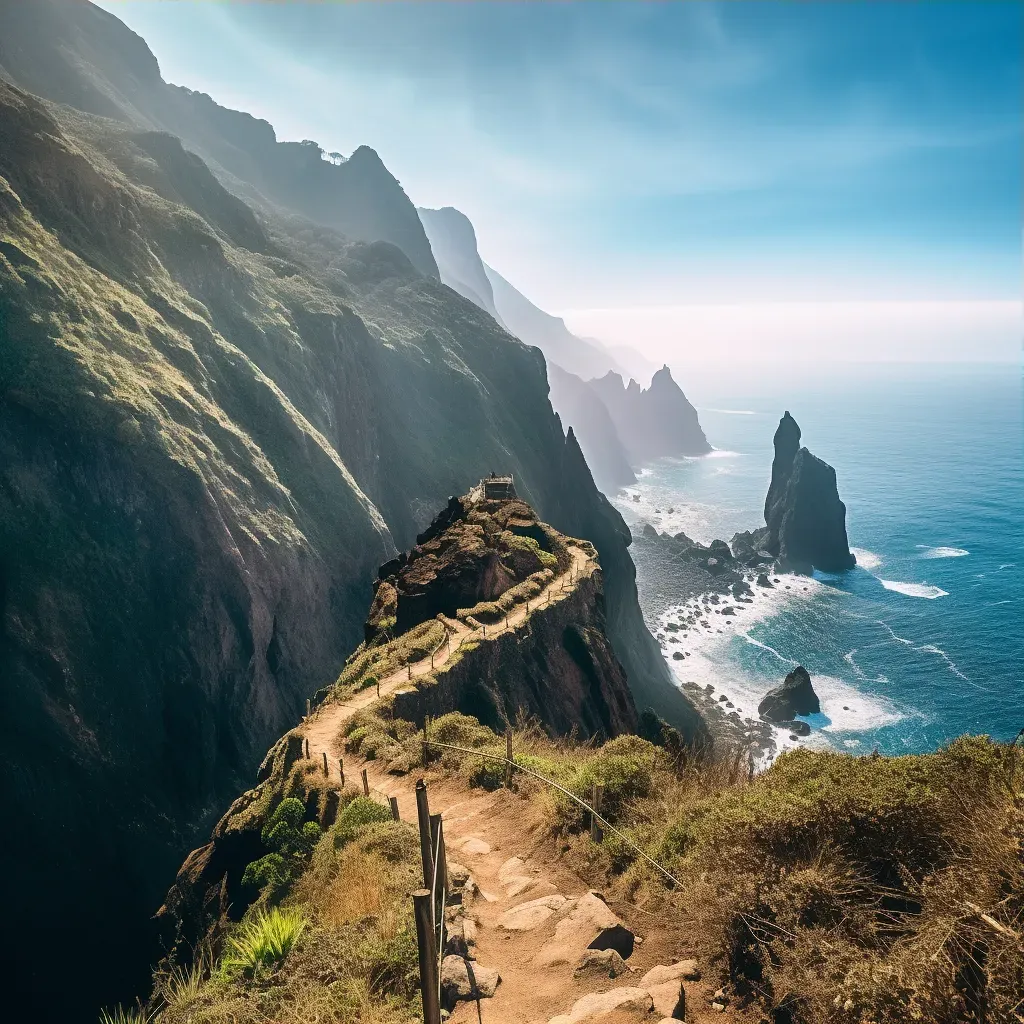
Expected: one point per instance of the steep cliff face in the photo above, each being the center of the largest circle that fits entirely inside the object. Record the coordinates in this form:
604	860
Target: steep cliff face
76	54
214	426
652	422
453	243
549	333
216	421
580	408
805	518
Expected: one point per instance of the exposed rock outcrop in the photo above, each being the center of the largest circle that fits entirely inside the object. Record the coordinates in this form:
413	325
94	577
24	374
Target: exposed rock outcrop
453	243
652	422
805	518
795	696
581	409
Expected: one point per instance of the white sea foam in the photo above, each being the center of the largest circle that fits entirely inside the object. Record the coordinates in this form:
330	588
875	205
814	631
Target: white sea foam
844	709
914	589
867	559
942	552
932	649
721	453
848	658
898	639
733	412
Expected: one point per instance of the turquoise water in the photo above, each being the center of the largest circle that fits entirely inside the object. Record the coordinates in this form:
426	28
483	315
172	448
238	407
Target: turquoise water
925	639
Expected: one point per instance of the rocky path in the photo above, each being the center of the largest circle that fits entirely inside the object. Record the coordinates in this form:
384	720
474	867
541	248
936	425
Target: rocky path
322	728
528	920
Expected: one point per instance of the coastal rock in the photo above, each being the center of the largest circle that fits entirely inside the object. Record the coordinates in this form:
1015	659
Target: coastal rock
652	422
795	727
795	696
806	519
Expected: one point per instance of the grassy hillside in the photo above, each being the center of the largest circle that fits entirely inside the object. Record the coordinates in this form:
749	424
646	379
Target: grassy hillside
215	423
830	888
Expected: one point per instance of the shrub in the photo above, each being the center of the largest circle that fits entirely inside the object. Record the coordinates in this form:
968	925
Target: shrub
262	942
355	817
290	841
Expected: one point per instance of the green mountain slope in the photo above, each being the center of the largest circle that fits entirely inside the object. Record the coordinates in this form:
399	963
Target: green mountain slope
77	54
214	424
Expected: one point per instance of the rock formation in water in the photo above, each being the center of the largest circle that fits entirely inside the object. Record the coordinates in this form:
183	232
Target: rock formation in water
652	422
794	696
216	420
806	521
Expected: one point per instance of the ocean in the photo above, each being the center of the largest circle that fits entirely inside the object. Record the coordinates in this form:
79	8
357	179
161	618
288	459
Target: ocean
924	640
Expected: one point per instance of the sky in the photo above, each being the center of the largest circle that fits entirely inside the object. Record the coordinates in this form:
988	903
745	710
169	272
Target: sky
661	173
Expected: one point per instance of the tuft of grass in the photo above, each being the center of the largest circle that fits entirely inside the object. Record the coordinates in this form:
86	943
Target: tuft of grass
262	942
120	1015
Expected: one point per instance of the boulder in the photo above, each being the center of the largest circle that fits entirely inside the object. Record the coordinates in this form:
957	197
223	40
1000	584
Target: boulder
605	963
685	970
461	979
669	999
600	1004
763	581
532	914
797	728
589	925
795	696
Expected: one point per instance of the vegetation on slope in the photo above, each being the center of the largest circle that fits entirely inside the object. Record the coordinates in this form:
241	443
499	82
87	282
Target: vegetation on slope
830	888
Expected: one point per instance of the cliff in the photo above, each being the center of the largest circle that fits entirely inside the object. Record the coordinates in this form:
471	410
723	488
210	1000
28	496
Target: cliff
805	518
216	421
77	54
580	408
652	422
532	325
546	656
453	243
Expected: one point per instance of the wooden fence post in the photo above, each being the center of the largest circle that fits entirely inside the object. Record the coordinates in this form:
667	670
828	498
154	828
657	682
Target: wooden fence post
427	944
426	742
378	686
327	774
508	757
309	708
366	784
409	667
341	770
423	816
596	832
393	800
305	746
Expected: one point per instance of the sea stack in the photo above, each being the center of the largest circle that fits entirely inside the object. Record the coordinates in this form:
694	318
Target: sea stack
795	696
806	520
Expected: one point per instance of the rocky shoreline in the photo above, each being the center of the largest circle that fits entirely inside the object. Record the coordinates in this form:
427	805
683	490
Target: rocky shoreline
692	589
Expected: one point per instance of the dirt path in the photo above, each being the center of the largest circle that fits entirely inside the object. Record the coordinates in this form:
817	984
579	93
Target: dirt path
322	728
503	842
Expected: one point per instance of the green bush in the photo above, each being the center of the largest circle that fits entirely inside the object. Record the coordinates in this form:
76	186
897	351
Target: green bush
355	817
290	841
262	942
488	612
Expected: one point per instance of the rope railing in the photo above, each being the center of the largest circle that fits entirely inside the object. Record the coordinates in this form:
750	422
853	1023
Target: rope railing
510	762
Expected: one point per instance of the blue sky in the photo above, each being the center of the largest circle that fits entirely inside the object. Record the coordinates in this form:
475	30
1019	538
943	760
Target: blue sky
637	155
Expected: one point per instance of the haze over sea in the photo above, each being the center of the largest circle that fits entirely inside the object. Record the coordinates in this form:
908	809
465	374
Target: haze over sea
924	639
